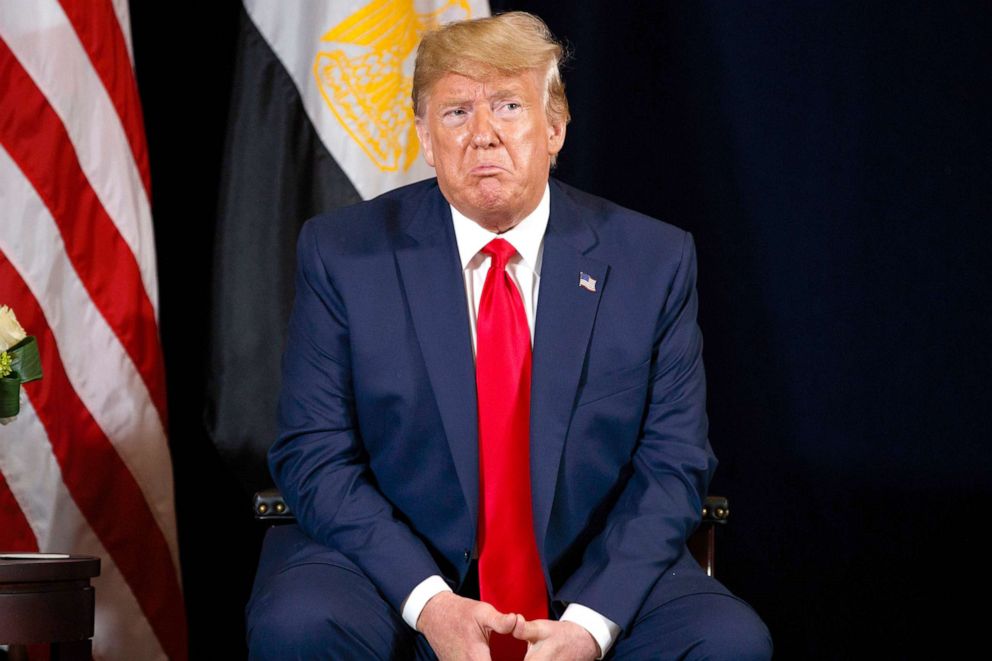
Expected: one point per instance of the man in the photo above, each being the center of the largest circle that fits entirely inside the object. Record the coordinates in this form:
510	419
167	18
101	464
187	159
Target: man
520	419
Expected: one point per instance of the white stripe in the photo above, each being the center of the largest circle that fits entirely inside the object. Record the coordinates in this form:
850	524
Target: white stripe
32	472
123	11
45	43
293	29
95	362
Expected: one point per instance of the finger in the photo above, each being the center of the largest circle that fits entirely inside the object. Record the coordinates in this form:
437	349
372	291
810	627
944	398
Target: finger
532	631
504	622
494	620
518	627
541	652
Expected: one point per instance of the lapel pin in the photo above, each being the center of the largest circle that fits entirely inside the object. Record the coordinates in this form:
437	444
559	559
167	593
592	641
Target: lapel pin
587	282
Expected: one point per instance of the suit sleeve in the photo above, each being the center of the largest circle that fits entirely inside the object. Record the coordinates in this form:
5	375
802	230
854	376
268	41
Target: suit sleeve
318	460
660	504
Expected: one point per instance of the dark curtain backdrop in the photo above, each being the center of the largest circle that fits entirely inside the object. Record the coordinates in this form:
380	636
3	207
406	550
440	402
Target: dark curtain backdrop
832	160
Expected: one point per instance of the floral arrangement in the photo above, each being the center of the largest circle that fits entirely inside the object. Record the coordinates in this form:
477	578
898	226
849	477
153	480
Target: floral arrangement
19	363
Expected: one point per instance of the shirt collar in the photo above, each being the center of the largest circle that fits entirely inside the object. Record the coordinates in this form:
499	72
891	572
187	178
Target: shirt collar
527	236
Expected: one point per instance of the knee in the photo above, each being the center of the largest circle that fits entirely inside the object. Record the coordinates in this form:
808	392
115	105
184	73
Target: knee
706	626
282	628
734	632
331	614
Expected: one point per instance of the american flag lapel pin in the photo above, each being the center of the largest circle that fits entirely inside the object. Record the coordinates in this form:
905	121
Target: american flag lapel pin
587	282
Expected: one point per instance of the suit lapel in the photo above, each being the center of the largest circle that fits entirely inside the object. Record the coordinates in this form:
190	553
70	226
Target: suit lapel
432	278
565	315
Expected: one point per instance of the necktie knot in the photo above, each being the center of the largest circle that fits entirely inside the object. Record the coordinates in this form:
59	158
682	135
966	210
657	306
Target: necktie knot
501	251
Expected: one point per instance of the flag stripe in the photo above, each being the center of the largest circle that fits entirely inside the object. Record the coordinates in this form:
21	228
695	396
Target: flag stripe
95	476
63	73
123	11
91	239
102	374
15	533
95	21
277	174
85	466
288	157
36	484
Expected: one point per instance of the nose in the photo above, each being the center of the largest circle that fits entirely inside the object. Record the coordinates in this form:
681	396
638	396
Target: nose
483	132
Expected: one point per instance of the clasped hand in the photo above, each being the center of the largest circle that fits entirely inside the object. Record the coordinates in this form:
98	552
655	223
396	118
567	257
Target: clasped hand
458	628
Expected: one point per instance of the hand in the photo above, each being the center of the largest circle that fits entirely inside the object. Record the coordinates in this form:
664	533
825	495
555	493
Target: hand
548	639
459	628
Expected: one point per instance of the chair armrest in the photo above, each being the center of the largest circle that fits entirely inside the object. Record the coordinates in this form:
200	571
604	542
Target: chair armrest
702	543
269	506
716	509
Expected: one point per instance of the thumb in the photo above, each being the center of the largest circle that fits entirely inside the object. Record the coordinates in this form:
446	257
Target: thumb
531	630
521	628
504	622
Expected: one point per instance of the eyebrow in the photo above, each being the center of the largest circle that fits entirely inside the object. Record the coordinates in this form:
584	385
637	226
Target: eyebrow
453	101
463	100
503	93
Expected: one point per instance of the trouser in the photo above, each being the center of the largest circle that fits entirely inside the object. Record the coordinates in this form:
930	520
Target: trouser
310	602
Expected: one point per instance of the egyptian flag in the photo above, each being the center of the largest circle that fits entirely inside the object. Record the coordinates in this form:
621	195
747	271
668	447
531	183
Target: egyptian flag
85	466
320	117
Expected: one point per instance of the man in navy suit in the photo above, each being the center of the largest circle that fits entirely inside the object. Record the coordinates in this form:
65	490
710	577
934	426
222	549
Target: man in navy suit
379	452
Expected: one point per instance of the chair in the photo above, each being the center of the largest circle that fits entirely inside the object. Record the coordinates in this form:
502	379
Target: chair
270	507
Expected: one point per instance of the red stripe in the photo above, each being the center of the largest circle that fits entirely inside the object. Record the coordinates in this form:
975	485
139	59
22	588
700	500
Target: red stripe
100	32
15	532
101	485
37	141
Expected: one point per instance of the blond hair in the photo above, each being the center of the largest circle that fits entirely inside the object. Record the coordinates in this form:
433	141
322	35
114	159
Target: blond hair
505	44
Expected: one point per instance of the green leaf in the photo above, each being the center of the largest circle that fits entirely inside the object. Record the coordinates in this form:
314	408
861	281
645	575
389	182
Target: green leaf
10	396
26	360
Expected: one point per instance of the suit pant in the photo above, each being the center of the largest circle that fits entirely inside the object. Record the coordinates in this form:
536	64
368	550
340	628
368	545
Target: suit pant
310	602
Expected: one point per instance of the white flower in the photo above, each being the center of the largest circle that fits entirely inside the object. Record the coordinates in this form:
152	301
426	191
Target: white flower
10	331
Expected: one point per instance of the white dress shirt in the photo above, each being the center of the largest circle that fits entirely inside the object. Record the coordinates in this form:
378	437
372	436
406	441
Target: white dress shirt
524	269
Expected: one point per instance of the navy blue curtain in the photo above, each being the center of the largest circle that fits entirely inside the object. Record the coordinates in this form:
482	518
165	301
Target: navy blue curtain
832	161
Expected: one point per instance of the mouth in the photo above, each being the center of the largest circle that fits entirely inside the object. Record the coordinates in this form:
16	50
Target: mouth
486	170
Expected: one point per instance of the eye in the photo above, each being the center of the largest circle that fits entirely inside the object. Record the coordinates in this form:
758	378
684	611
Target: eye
455	116
509	108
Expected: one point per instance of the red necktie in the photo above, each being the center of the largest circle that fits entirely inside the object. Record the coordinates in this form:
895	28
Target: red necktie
510	575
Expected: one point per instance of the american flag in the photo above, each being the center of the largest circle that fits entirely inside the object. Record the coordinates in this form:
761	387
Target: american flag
85	467
587	281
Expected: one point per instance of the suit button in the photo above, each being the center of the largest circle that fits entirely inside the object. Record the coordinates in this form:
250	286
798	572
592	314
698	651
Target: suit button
467	555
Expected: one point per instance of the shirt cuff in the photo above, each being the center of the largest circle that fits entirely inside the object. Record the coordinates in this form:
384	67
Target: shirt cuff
602	629
419	597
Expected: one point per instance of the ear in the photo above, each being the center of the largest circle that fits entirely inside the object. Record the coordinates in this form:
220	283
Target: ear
424	134
556	137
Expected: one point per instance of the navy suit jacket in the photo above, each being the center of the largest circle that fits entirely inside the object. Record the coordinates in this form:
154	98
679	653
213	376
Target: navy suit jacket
378	452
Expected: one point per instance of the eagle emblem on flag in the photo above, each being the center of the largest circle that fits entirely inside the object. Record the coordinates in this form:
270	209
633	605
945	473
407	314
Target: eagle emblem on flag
366	80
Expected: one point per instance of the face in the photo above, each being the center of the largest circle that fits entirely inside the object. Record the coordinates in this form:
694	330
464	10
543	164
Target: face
491	144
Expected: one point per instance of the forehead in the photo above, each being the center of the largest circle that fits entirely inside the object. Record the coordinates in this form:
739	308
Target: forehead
453	87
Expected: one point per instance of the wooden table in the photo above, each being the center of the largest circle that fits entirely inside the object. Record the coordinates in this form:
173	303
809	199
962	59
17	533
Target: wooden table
48	601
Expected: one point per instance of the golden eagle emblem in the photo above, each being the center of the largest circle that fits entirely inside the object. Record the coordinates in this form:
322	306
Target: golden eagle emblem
363	80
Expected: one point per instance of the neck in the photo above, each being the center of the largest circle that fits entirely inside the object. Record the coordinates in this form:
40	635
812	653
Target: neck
498	222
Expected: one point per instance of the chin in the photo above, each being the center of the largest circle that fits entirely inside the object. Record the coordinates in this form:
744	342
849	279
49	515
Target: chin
491	195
